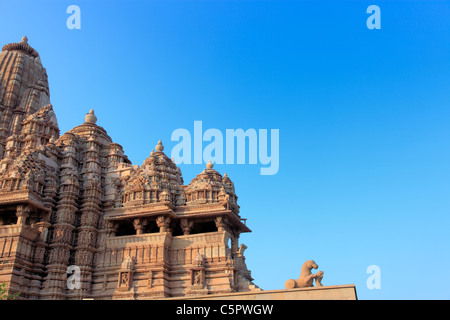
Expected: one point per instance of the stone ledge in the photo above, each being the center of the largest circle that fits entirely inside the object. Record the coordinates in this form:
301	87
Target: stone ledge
339	292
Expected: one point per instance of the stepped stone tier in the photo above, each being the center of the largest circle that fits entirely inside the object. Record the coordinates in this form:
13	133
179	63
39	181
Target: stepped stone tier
132	232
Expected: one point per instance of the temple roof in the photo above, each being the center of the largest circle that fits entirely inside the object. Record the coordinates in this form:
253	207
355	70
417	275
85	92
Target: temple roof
159	169
210	178
22	46
89	128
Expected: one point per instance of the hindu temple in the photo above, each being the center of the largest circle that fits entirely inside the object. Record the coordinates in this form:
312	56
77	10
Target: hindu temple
79	221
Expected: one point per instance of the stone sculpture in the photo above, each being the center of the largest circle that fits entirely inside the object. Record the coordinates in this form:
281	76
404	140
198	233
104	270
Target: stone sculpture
318	279
306	277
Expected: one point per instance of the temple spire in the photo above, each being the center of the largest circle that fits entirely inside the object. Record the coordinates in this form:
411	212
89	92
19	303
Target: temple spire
90	117
159	147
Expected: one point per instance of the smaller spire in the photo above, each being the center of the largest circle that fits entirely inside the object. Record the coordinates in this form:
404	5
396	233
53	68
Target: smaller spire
159	147
209	165
151	153
225	179
24	39
90	117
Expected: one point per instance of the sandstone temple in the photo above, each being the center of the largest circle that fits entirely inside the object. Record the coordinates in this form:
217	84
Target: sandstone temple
79	221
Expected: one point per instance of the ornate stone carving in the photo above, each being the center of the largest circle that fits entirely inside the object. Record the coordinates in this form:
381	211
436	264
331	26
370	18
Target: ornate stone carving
127	263
306	277
139	224
163	223
226	201
22	213
186	226
198	277
125	274
221	223
95	205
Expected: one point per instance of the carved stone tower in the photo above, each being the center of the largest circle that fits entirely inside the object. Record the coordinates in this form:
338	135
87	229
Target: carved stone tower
75	202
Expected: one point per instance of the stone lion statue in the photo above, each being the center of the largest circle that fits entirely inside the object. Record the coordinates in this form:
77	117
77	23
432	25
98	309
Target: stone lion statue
306	277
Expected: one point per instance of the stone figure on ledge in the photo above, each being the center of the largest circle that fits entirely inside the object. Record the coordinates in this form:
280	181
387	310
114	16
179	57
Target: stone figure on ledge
306	277
318	279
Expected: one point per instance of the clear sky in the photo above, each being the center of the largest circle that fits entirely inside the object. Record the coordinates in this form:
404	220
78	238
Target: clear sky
363	117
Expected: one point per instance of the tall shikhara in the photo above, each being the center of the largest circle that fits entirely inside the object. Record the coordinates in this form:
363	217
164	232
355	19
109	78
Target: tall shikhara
76	203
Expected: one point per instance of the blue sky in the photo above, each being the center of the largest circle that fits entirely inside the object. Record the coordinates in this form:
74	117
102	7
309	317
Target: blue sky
364	118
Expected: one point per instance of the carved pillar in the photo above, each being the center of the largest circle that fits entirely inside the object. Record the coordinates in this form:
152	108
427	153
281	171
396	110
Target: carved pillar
43	228
221	223
234	241
232	274
139	225
163	223
186	226
22	213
